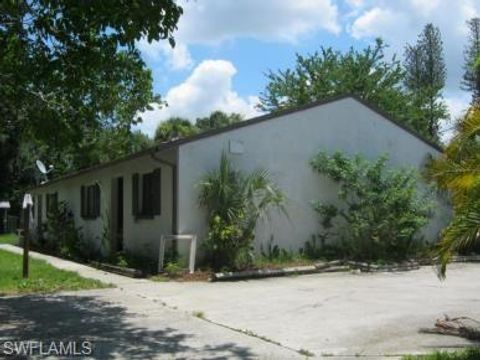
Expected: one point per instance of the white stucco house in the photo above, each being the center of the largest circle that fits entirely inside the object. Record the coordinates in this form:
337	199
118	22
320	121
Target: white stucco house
155	192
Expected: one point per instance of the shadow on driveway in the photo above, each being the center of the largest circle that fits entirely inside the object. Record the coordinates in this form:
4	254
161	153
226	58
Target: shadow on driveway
106	325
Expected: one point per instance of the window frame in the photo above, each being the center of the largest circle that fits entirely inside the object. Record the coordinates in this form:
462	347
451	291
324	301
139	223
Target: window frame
146	194
90	201
51	201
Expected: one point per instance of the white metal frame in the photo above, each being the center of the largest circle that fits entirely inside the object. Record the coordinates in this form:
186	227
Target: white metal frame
193	249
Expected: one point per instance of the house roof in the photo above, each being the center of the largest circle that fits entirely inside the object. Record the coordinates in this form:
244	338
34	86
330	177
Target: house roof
256	120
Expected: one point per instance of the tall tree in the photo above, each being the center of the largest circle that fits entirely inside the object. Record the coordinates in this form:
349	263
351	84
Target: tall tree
471	75
216	120
425	78
327	73
174	128
70	69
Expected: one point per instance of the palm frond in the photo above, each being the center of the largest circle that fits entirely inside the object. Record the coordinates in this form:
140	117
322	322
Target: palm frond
458	171
470	125
462	233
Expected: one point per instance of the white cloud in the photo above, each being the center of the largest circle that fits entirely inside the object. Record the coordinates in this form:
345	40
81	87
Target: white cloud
212	22
425	7
356	3
370	23
178	58
216	21
208	88
457	104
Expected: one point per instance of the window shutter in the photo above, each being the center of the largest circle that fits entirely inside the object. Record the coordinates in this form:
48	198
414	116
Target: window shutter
55	200
40	210
135	178
90	201
82	201
157	191
97	200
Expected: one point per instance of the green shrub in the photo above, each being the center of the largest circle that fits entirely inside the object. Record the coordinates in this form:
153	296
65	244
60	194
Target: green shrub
465	354
318	248
274	253
173	269
235	202
380	210
60	236
127	259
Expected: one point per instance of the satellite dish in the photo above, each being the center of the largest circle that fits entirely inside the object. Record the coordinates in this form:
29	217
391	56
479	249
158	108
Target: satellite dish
41	167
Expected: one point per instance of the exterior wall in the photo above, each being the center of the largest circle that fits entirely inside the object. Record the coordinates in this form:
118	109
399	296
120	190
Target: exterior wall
141	236
284	147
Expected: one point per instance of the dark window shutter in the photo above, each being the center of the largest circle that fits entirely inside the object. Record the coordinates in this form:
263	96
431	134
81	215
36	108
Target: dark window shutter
82	201
147	200
135	194
97	200
157	191
90	201
40	210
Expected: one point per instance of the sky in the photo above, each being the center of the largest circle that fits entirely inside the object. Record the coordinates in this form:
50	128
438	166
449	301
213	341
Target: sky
225	47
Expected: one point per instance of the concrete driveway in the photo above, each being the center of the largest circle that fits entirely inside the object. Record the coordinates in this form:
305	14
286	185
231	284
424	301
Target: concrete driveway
337	314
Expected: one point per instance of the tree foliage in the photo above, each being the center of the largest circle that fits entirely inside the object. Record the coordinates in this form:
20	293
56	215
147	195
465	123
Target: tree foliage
366	73
328	73
457	170
235	202
379	211
217	120
425	79
178	127
68	70
471	75
174	128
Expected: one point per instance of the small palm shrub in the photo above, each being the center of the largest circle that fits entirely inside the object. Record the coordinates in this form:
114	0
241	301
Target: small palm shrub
379	211
235	202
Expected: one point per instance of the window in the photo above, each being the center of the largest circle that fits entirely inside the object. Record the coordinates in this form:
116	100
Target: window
146	194
52	202
90	201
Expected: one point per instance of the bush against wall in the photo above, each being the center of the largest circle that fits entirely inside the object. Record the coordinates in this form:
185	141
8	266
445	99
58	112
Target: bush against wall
379	211
235	202
60	235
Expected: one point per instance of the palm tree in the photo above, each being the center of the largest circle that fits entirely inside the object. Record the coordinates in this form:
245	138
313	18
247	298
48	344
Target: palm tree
458	171
235	202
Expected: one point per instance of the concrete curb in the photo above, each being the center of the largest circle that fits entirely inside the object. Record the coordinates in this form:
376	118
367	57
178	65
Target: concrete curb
320	267
133	273
333	266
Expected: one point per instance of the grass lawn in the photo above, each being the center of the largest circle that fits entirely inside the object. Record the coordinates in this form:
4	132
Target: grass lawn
43	277
8	239
467	354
